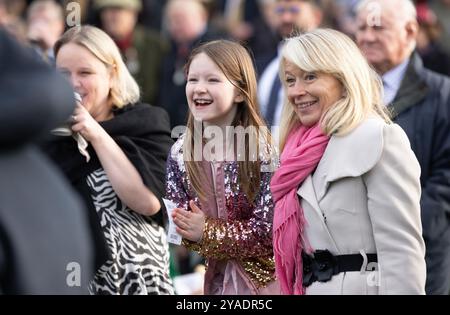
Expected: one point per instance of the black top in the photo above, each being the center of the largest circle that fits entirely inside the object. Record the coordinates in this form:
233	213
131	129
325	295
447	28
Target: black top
142	132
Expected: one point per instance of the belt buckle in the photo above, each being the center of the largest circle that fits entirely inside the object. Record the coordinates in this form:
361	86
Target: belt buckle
326	265
320	267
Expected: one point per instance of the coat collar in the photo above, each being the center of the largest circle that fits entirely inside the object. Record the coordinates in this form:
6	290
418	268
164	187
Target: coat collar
412	89
351	155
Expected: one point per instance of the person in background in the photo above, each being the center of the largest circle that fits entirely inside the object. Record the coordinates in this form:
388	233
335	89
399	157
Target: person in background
428	41
249	22
187	26
265	37
11	20
45	23
235	17
151	15
442	10
142	49
294	16
419	101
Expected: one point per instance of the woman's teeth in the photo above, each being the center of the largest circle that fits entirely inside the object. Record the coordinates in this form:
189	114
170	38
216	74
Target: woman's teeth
202	102
306	104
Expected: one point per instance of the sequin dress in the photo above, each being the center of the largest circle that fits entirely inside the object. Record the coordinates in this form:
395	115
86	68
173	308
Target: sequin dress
237	238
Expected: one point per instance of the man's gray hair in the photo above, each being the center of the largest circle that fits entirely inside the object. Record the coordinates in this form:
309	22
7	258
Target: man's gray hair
406	8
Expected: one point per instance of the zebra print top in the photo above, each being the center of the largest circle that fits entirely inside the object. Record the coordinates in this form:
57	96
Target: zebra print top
137	245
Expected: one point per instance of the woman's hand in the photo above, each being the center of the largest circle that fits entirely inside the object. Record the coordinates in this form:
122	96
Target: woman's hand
124	177
86	125
190	224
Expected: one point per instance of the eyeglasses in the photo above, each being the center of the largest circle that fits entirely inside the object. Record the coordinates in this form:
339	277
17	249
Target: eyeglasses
283	10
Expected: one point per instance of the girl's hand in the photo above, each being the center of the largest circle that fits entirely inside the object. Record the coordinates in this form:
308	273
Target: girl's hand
190	224
86	125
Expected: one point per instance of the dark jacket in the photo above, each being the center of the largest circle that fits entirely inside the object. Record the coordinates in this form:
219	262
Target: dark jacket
436	58
142	132
44	239
422	108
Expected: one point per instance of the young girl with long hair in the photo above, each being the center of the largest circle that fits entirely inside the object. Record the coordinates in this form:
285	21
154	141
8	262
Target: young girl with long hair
225	206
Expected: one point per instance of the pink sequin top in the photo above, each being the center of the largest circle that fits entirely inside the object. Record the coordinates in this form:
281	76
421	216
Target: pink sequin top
237	237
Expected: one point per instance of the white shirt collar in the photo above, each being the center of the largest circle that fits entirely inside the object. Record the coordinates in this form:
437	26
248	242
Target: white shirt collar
392	81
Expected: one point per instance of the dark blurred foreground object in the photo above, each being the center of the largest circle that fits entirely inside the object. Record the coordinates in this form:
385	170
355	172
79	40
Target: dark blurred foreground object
45	244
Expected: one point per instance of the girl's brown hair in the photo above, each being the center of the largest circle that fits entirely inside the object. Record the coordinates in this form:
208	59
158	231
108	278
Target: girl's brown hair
236	64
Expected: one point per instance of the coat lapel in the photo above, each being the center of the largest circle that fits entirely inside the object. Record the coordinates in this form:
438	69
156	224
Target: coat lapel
412	89
307	193
351	155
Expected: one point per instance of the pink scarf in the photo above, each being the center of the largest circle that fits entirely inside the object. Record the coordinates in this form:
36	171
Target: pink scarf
303	151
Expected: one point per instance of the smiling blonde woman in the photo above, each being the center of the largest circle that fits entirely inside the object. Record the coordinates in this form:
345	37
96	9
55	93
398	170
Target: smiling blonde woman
123	182
347	214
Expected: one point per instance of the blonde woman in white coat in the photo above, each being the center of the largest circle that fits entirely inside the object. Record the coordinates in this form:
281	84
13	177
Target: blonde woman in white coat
347	218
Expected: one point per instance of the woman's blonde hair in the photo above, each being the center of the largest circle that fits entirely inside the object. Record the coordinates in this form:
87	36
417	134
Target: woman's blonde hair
331	52
237	66
124	89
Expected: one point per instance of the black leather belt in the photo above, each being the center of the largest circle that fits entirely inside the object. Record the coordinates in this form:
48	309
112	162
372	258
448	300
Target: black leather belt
322	266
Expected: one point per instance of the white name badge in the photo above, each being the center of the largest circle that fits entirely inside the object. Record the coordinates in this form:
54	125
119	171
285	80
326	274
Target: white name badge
172	235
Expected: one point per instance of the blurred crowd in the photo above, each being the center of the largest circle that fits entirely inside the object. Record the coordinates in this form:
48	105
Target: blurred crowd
155	37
